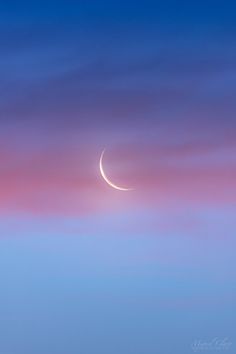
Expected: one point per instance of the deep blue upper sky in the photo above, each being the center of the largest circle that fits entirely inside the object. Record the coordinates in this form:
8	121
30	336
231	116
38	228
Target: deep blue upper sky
218	14
86	46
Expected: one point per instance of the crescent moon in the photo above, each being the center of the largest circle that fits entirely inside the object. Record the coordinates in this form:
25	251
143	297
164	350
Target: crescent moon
107	179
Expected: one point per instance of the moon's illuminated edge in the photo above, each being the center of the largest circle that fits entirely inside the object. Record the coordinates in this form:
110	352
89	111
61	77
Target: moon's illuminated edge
107	179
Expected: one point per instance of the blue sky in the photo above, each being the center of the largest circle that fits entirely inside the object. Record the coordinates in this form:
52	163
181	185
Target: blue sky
85	268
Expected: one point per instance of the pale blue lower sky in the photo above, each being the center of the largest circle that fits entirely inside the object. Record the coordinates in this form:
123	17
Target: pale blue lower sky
64	293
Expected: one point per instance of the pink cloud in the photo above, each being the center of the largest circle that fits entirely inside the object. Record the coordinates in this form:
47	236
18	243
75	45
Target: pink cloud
67	180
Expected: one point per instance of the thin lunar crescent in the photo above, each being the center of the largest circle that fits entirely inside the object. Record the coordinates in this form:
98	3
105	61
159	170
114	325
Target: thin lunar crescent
107	179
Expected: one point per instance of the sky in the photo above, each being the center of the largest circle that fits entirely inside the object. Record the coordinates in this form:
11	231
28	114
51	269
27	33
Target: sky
85	268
